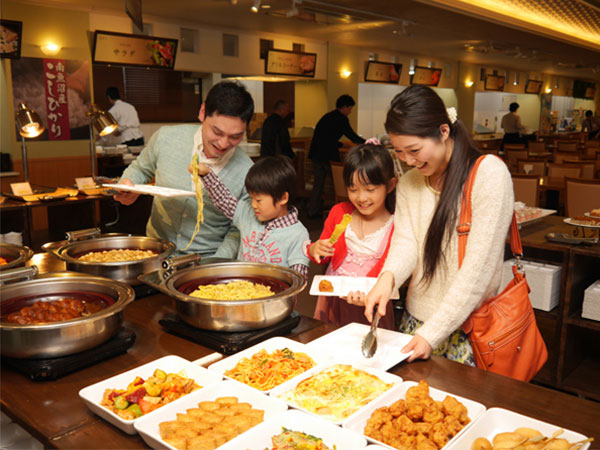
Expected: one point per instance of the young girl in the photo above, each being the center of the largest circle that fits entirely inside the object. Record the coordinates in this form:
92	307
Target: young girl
425	244
362	248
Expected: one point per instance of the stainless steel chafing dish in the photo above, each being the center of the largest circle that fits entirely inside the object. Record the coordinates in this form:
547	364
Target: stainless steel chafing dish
15	255
67	337
228	315
84	241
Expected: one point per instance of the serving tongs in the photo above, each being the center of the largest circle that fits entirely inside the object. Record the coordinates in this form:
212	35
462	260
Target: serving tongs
369	342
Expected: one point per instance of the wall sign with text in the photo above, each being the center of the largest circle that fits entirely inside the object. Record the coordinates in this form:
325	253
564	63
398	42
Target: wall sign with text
533	86
383	72
135	50
494	83
10	38
284	62
429	76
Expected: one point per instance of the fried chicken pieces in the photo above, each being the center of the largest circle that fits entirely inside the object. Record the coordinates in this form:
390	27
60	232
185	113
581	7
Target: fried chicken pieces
418	422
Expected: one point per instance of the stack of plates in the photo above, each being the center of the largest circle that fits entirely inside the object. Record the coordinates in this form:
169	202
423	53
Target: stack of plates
591	302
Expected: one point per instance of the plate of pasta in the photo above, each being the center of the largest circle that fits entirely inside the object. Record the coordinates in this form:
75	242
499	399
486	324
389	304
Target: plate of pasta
269	364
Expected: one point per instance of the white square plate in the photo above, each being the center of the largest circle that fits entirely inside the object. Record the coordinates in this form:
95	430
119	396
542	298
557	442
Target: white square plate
92	395
543	213
345	345
358	421
259	437
270	345
342	286
386	377
148	189
147	426
498	420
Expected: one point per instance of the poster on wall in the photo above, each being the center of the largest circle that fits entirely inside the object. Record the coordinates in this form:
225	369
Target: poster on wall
494	83
58	90
285	62
10	38
134	50
383	72
533	86
429	76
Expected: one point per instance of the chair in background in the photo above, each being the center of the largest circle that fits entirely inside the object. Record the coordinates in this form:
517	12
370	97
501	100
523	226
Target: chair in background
587	168
563	170
339	188
591	147
581	196
559	157
566	146
527	189
531	167
512	156
536	147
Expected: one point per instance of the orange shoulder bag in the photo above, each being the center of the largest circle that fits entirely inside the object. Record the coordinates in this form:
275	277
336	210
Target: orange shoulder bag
503	331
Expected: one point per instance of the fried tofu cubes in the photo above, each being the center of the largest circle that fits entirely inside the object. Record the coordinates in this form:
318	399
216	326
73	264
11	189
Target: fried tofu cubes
211	424
418	422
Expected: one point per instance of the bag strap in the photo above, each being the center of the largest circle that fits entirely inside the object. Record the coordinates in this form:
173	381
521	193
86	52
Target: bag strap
464	223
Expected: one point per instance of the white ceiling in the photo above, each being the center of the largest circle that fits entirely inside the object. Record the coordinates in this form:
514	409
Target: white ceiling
432	28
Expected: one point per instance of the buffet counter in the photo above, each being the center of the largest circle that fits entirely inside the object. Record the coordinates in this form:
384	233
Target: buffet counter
53	412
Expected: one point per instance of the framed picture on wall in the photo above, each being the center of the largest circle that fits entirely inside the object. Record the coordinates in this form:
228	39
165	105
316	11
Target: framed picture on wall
533	86
10	38
383	72
285	62
429	76
494	83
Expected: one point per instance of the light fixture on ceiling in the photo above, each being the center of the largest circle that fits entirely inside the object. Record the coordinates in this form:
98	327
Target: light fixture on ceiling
516	80
104	123
294	11
255	6
29	125
469	83
411	68
345	73
50	49
556	83
548	90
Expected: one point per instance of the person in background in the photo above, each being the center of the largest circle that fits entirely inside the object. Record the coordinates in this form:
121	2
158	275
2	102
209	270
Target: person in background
324	148
224	115
270	231
425	242
513	128
363	246
126	116
591	124
275	138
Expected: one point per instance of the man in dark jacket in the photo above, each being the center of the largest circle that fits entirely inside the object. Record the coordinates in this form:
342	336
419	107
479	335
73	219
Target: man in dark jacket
275	138
324	147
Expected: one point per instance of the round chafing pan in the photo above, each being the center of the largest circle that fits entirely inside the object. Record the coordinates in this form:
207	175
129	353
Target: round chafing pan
230	315
15	255
49	340
126	271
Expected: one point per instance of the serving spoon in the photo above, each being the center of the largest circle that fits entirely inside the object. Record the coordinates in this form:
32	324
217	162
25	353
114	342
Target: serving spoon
369	342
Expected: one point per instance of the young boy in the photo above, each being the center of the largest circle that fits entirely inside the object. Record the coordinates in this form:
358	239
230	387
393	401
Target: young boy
270	231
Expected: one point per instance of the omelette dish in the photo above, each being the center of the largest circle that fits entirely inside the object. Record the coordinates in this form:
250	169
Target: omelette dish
234	290
336	392
417	421
117	255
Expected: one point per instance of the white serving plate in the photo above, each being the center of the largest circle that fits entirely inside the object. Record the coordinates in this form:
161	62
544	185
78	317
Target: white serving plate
147	426
386	377
543	213
342	285
375	447
92	395
345	345
358	421
270	345
259	437
147	189
568	221
498	420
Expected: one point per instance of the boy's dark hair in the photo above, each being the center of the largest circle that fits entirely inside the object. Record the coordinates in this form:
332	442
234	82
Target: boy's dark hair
513	106
112	92
373	164
229	98
344	100
274	176
589	113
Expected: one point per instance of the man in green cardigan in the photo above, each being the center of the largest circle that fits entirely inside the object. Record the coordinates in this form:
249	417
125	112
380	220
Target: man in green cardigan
224	115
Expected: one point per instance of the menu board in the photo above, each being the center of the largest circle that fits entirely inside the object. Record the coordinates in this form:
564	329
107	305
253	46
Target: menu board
284	62
494	83
533	86
429	76
383	72
131	49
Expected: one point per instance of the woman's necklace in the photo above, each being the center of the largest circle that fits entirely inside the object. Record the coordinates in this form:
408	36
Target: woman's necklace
431	188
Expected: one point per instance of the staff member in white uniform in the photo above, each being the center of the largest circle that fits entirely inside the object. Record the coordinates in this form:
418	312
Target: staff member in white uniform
127	117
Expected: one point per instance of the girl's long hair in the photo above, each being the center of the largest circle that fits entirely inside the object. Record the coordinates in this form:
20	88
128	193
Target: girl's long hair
419	111
373	164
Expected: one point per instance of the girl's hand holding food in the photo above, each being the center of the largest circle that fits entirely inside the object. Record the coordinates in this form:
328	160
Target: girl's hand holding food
321	249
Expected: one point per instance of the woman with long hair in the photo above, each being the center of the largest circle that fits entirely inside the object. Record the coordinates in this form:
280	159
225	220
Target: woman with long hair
425	242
